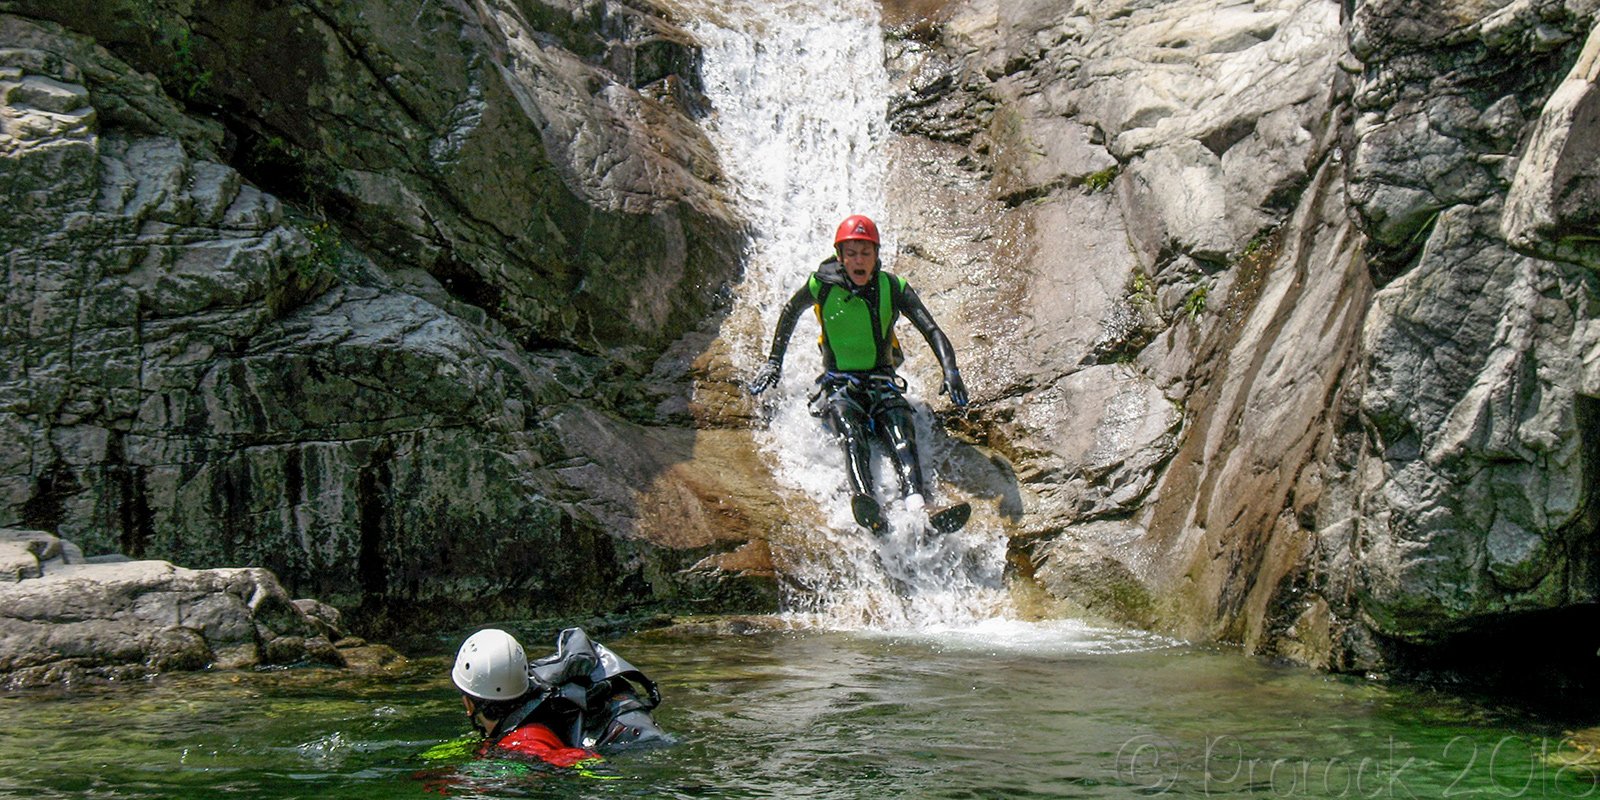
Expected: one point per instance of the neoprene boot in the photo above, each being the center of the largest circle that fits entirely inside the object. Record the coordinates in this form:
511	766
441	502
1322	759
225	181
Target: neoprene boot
868	513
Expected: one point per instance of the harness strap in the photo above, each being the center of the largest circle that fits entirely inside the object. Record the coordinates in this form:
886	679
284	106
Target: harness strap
885	381
520	716
880	388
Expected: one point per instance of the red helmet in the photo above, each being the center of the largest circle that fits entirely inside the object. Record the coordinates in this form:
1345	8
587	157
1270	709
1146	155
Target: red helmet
856	226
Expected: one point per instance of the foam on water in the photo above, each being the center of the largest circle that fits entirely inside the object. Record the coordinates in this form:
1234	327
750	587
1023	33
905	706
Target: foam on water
1041	638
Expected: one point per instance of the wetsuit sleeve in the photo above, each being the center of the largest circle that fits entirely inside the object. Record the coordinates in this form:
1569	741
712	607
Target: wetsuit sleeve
786	321
911	306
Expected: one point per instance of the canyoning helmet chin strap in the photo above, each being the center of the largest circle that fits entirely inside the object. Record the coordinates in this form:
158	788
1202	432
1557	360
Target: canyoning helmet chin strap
856	228
491	666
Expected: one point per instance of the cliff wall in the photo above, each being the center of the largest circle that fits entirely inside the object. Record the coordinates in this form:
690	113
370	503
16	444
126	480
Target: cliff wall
1279	316
1283	314
367	295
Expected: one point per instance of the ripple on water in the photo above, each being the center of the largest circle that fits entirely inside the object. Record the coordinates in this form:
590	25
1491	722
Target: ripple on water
1001	708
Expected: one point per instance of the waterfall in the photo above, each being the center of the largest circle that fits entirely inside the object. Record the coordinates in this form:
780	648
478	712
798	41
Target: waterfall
799	94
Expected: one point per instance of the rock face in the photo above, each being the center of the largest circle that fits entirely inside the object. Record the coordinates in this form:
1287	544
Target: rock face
64	620
1281	314
1285	319
1474	487
367	297
1550	210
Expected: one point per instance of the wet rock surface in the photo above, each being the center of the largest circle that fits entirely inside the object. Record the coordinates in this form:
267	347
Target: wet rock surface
324	309
1279	317
1280	313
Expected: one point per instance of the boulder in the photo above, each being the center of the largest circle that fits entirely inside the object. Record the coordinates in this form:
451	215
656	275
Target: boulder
68	621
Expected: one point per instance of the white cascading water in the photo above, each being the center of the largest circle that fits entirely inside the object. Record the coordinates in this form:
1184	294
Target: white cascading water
799	91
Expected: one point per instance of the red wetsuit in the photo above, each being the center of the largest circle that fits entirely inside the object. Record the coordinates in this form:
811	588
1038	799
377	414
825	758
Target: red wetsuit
537	741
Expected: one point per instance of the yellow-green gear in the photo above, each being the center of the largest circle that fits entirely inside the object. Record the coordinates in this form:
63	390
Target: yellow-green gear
847	326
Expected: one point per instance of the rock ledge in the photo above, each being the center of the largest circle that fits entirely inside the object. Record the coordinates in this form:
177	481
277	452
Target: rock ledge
65	618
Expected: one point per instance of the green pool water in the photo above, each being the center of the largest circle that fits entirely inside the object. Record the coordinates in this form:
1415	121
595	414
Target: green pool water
1003	710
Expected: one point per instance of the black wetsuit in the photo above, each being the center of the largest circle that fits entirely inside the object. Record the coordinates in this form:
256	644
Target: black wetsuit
855	403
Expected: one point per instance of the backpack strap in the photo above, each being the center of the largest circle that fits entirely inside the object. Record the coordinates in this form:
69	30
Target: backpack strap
819	290
889	289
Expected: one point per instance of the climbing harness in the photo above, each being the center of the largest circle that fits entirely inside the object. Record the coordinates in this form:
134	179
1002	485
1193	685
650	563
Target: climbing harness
847	391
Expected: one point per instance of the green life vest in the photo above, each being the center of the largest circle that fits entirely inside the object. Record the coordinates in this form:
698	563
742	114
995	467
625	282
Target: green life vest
857	336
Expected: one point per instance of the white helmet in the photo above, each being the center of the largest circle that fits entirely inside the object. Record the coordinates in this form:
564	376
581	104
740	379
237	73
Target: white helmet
491	666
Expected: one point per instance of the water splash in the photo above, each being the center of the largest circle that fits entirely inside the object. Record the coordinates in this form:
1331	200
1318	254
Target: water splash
799	92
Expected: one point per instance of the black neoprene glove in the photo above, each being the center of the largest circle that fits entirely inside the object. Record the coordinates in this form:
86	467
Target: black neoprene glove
766	377
956	389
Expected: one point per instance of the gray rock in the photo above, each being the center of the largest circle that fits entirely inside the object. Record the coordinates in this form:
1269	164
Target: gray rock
1097	439
18	561
1386	401
1550	209
64	623
1099	568
324	616
488	223
1035	155
1145	285
26	554
1178	194
1464	499
1478	477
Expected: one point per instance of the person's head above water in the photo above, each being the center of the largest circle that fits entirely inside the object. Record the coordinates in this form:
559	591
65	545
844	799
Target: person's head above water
856	242
491	671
